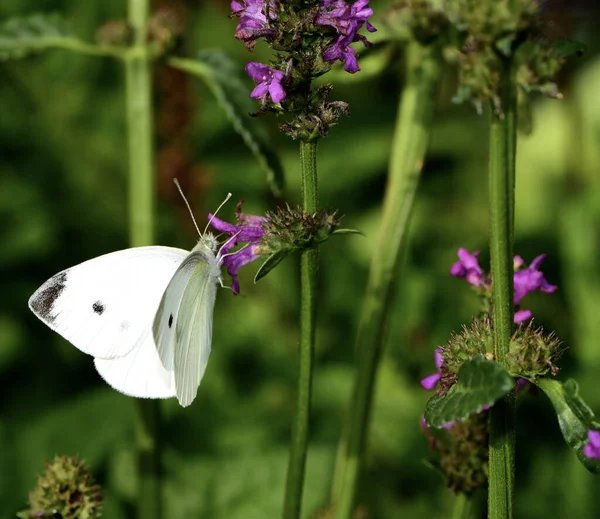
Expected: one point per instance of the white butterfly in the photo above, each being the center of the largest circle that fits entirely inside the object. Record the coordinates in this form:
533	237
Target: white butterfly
144	314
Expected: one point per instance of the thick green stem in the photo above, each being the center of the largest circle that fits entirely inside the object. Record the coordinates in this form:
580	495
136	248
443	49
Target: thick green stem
462	507
502	187
309	265
141	232
411	137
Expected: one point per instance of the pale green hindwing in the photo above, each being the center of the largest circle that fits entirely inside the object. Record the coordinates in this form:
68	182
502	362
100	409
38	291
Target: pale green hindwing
183	323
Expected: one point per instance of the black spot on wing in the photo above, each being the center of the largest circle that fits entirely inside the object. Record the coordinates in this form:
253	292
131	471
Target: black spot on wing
98	307
170	320
45	298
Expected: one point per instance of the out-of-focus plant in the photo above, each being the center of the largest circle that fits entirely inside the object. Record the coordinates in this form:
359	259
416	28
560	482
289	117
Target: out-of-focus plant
66	489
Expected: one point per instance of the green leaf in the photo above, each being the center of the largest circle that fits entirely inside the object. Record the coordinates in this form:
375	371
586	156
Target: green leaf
575	418
221	76
272	261
566	48
347	231
20	37
480	382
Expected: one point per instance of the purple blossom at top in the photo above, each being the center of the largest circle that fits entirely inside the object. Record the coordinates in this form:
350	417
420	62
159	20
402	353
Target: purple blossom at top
269	82
249	230
253	20
468	267
347	20
592	447
526	280
531	279
430	381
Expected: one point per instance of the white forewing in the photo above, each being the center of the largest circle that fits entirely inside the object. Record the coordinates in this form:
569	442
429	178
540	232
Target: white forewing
183	324
105	306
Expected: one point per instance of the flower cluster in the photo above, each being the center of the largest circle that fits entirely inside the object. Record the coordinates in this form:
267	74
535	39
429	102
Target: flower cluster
273	236
65	489
526	279
307	38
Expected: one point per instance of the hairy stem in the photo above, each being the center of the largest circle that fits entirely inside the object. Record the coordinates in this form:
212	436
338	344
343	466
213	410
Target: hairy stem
502	193
309	265
141	232
411	137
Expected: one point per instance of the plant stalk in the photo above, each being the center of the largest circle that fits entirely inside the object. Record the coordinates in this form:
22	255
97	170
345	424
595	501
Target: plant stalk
502	196
413	125
462	506
309	265
138	76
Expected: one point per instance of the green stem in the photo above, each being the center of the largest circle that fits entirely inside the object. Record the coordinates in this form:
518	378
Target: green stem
141	232
462	507
309	264
411	137
502	186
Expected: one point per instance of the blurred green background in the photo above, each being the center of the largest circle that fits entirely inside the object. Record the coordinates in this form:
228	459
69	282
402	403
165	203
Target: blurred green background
63	167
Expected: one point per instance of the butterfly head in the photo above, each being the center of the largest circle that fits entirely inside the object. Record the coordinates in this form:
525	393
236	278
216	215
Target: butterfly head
207	242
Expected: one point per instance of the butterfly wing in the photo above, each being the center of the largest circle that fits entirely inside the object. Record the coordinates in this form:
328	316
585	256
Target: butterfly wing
183	324
105	306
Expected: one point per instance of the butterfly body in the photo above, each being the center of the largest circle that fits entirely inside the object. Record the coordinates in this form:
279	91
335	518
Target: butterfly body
144	314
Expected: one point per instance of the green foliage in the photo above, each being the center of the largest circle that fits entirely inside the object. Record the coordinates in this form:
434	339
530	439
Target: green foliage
20	37
480	382
575	418
221	75
62	184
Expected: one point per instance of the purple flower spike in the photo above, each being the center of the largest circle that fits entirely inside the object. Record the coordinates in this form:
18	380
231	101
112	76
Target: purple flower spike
592	448
468	267
531	279
250	231
522	315
269	82
430	381
253	21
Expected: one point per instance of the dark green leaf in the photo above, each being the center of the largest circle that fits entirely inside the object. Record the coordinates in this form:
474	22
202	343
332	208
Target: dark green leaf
480	382
566	48
221	75
575	418
272	261
20	37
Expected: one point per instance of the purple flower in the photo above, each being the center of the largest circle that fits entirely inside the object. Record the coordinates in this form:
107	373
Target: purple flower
531	279
269	82
347	20
430	381
250	231
526	280
253	21
592	448
468	267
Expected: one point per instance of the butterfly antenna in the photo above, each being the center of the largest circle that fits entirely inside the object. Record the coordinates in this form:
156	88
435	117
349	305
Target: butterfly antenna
215	213
176	182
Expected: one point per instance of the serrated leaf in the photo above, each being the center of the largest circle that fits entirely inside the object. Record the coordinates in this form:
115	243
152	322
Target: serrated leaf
221	75
20	37
480	383
272	261
575	418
